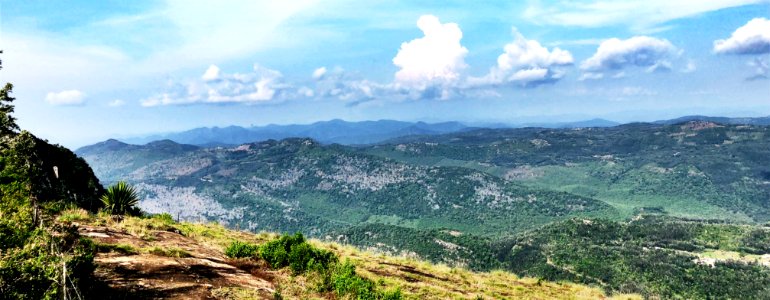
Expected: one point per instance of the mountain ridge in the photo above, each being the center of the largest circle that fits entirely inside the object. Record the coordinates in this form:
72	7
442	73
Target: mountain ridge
377	131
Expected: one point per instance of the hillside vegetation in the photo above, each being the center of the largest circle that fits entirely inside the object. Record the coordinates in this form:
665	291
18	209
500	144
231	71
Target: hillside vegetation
663	210
157	257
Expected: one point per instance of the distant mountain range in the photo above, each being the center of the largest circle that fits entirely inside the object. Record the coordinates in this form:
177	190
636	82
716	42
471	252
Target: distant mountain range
720	120
327	132
371	132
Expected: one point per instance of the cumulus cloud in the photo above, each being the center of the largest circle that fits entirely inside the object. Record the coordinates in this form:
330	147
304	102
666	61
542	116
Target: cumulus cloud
211	74
752	38
436	59
260	85
319	73
639	51
68	97
527	63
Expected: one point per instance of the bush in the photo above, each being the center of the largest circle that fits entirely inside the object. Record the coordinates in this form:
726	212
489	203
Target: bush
238	249
33	271
345	281
294	252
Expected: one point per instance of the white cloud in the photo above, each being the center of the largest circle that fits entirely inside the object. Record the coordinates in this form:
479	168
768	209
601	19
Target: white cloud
526	62
306	92
259	86
434	59
68	97
339	84
116	103
211	74
529	75
641	16
591	76
319	73
752	38
640	51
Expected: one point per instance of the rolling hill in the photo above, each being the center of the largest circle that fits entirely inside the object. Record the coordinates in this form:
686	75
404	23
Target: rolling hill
614	207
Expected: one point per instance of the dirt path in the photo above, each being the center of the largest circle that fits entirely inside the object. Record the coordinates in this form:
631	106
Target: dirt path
167	266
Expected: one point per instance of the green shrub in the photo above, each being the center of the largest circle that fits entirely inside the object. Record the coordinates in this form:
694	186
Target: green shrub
34	271
238	249
294	252
345	281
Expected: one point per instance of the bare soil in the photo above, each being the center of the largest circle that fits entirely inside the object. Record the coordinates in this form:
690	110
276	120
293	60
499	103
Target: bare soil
194	275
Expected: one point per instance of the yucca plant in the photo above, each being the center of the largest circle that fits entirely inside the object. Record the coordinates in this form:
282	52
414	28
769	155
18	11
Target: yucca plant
120	199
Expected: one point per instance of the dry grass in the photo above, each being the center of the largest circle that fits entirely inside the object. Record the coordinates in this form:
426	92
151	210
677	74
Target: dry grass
415	278
424	280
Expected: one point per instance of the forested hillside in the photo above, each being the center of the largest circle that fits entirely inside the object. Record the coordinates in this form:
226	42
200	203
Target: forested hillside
650	255
656	209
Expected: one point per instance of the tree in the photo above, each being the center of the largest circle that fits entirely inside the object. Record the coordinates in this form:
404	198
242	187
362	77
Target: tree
121	199
8	124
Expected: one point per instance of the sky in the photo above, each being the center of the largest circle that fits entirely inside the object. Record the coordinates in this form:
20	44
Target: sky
84	71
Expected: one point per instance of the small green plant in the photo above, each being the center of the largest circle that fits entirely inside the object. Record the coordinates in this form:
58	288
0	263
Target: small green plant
238	249
121	199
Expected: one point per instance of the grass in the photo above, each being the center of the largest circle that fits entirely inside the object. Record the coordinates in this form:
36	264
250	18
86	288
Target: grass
169	252
413	278
419	279
74	215
118	248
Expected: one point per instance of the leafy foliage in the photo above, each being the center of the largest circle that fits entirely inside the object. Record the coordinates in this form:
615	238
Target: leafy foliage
294	252
345	281
40	259
238	249
121	199
8	124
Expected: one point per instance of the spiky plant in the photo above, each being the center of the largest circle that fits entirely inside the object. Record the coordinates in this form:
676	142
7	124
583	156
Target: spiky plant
120	199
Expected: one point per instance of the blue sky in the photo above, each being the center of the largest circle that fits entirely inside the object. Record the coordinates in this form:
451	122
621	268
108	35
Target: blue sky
85	71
